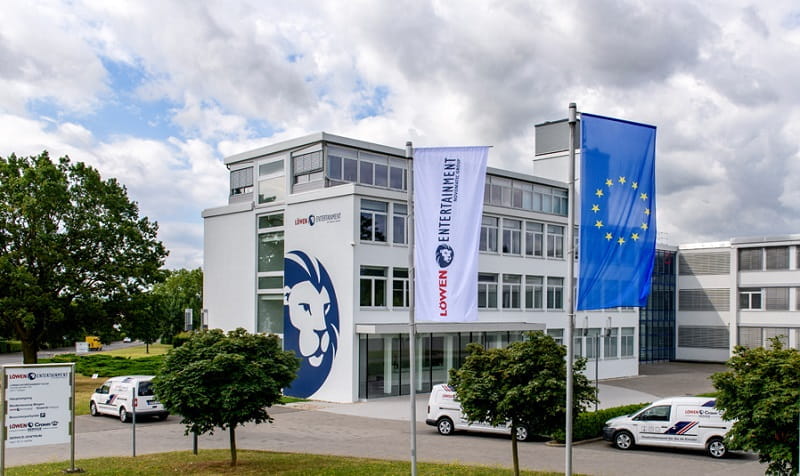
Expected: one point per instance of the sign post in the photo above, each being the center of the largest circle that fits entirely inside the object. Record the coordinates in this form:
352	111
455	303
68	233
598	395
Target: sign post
39	405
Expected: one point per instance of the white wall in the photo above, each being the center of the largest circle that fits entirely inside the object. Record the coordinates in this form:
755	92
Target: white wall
229	262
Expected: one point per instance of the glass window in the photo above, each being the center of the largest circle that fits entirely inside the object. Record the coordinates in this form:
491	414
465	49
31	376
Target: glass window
610	343
749	298
366	172
592	342
512	236
555	293
557	335
397	178
381	175
334	167
750	259
659	413
399	287
270	313
242	181
489	231
777	257
487	291
512	284
307	167
270	251
270	169
270	282
350	170
399	220
534	239
271	190
373	287
777	299
627	342
534	292
373	220
270	221
555	241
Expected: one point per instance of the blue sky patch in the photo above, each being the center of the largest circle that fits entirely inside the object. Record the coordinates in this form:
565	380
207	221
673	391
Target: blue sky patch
372	104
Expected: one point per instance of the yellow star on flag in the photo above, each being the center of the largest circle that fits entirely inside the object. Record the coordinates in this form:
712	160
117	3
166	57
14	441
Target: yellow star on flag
598	224
599	193
622	180
621	241
634	236
644	226
609	182
635	185
643	196
608	236
595	208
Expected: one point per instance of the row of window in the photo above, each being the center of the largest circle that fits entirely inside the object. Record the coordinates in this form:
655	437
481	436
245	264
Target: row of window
521	237
515	291
768	299
610	343
758	259
523	195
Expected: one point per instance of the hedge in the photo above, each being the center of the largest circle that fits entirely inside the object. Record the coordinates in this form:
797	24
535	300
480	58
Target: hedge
109	366
589	425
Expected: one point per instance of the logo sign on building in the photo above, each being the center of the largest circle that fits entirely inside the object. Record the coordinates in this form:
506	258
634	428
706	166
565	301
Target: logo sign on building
448	199
38	399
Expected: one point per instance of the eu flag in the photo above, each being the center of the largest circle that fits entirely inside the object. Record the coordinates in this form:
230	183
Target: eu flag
618	212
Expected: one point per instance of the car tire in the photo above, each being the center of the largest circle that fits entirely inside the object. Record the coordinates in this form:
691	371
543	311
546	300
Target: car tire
445	426
162	417
93	409
716	447
123	415
623	440
522	433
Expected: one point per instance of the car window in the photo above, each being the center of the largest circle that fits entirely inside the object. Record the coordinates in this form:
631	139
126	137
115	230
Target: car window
659	413
104	388
145	389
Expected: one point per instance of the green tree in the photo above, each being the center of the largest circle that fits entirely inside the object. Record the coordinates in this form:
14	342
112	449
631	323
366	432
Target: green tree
523	384
73	249
145	319
181	290
761	393
218	380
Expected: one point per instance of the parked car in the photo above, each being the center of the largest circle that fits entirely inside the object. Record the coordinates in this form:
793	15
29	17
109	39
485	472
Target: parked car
116	397
678	422
126	340
444	412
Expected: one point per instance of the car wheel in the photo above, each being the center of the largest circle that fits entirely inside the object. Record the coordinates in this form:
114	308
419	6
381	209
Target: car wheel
123	415
445	426
623	440
93	409
716	447
522	433
162	417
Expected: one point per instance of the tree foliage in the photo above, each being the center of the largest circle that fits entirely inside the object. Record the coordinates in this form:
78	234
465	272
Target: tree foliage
181	290
761	392
524	384
218	380
73	249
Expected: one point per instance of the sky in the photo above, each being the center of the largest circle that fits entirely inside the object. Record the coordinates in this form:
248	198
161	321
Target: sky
157	93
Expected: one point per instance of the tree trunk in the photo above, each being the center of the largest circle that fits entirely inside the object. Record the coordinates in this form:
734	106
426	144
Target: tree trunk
232	435
514	454
30	352
146	348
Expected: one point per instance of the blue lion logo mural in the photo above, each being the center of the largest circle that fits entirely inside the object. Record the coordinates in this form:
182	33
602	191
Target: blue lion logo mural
310	321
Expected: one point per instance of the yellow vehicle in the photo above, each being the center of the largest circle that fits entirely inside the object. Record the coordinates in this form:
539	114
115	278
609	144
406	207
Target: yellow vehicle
94	343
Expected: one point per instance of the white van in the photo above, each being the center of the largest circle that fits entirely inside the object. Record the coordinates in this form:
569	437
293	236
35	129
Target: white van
444	412
115	395
678	422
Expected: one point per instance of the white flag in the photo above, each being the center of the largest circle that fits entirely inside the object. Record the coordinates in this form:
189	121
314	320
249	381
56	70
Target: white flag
448	201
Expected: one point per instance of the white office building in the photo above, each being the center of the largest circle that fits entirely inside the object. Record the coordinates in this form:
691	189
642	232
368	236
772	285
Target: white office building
313	246
738	292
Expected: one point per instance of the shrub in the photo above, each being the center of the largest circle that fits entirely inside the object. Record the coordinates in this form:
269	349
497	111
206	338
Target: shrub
590	424
179	339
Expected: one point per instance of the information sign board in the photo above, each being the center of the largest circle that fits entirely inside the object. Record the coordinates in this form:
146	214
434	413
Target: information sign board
38	399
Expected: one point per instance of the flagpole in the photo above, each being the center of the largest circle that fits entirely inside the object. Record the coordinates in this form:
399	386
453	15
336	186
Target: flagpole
412	331
570	287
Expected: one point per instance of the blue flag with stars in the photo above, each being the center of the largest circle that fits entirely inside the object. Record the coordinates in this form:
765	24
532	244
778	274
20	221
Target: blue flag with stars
618	213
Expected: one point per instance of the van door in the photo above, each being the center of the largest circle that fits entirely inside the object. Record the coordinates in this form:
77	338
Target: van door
652	424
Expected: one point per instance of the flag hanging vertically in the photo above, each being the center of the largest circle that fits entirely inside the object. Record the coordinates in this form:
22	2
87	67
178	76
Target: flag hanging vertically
618	212
448	199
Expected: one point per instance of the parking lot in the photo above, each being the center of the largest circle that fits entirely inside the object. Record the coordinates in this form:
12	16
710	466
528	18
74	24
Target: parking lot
380	429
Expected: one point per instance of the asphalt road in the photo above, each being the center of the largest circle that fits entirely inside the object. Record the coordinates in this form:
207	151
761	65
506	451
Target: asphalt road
323	432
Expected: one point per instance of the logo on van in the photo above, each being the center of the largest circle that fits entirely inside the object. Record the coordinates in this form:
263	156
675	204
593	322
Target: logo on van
310	321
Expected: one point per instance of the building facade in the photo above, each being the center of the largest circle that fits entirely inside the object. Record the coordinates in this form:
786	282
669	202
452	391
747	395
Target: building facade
313	246
739	292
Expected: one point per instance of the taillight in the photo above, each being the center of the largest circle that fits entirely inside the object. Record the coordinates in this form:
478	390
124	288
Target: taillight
135	402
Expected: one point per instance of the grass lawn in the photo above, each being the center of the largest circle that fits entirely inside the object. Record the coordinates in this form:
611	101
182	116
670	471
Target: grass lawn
138	351
211	462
